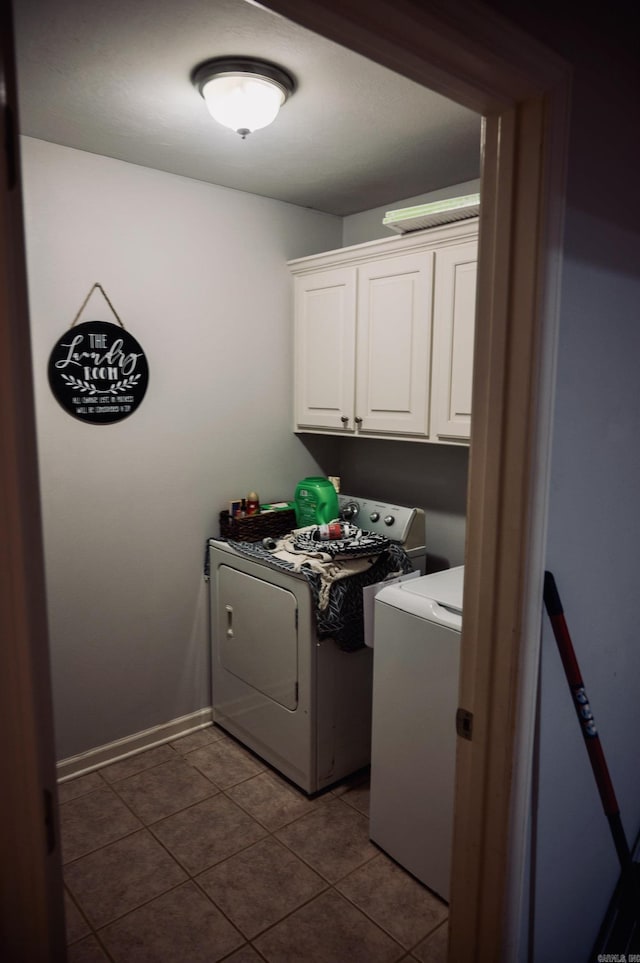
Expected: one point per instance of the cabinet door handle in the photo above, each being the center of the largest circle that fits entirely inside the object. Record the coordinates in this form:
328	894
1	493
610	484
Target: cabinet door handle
344	420
358	421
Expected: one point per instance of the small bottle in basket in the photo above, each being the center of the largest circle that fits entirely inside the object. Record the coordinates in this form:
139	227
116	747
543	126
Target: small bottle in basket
253	504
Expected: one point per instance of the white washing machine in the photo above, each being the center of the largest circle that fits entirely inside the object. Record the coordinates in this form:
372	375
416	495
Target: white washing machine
416	661
300	702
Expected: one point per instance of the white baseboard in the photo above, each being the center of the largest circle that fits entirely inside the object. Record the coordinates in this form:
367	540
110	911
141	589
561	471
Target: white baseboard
131	745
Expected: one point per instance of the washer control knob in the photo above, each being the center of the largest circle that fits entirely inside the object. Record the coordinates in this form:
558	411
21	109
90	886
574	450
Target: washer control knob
349	511
374	516
389	519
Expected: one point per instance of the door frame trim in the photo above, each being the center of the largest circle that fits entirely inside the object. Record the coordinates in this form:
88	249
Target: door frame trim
31	888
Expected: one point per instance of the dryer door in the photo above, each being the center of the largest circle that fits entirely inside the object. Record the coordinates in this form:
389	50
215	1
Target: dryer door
258	634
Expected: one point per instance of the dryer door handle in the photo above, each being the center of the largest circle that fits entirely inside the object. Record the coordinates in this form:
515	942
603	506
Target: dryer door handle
229	611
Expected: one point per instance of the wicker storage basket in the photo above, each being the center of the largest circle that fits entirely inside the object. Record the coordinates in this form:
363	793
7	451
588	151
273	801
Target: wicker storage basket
253	528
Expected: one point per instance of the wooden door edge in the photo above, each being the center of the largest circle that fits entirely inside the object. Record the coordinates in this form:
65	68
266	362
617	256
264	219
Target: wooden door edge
31	893
556	111
523	180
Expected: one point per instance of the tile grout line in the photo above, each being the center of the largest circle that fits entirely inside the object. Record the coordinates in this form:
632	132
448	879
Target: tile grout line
191	877
329	885
270	834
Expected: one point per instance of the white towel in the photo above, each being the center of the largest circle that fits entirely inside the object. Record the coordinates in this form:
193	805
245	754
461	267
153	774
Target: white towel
328	568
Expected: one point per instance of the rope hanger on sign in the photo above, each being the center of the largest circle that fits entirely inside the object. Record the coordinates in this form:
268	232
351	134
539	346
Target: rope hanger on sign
104	295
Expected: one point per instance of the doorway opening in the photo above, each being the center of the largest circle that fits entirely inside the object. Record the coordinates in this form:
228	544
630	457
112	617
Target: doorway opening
497	597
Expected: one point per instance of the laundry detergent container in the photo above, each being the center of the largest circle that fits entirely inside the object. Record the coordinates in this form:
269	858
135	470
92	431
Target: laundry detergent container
316	502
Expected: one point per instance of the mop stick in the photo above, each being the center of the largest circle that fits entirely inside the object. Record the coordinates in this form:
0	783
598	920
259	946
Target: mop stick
555	611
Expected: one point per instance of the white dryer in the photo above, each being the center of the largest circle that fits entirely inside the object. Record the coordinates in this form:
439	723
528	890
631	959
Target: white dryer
415	696
299	701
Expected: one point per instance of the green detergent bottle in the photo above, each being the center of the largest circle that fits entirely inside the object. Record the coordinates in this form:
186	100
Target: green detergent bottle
316	502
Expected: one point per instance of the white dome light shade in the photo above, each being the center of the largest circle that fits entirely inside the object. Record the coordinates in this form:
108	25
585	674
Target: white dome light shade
243	95
243	102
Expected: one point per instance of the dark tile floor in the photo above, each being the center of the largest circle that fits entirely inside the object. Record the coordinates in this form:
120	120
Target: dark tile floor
197	851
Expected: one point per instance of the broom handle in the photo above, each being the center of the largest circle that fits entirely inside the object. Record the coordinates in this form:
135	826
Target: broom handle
555	612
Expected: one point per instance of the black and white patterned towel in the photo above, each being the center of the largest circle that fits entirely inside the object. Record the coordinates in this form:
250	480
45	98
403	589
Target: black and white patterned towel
358	544
337	600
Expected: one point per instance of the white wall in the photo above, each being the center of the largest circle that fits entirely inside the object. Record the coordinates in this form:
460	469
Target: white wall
198	275
594	534
594	523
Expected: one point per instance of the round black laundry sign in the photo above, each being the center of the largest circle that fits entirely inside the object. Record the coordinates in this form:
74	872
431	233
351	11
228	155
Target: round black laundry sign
98	372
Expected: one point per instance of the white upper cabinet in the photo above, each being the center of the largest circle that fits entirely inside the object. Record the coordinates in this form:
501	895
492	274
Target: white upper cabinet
325	313
384	337
394	345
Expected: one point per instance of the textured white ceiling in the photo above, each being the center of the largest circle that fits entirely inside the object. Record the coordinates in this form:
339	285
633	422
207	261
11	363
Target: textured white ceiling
113	78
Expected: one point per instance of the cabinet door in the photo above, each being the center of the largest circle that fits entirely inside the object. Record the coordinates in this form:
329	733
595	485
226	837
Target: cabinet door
325	318
453	332
394	345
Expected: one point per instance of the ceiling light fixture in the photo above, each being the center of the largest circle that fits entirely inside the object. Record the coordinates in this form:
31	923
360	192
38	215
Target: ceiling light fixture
241	93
